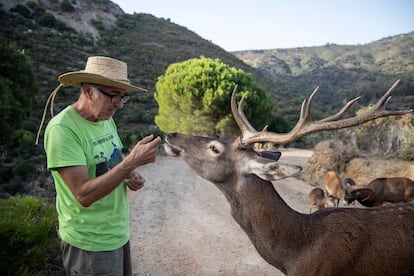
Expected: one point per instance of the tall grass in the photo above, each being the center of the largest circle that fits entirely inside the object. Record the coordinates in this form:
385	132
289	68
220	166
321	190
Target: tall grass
28	240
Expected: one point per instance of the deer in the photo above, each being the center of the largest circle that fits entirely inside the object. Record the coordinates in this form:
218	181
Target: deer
379	191
331	241
333	187
318	200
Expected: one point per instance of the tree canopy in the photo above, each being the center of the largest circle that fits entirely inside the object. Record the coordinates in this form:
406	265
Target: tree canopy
194	98
18	93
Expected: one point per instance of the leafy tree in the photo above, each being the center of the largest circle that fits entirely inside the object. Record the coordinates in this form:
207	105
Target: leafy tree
18	91
194	98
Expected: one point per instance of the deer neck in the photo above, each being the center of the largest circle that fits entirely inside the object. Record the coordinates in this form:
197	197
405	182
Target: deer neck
273	227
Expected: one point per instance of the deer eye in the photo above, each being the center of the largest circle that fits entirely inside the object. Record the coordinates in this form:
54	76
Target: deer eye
214	149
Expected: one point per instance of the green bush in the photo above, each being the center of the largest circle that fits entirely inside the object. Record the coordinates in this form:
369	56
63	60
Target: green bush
66	6
28	241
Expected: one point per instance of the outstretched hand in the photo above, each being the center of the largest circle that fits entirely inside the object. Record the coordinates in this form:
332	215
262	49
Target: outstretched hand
144	152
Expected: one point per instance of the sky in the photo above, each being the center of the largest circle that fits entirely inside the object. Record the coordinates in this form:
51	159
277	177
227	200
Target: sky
268	24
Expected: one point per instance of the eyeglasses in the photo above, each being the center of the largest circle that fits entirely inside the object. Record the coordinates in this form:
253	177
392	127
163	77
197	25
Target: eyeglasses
114	98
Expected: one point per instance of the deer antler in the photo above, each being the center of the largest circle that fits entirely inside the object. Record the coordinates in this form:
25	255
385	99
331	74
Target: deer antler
305	125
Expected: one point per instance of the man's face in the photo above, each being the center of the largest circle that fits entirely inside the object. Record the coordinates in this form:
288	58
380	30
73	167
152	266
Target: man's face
106	101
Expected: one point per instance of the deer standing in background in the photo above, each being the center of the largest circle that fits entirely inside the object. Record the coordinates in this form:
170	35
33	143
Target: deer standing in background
333	187
318	200
332	241
379	190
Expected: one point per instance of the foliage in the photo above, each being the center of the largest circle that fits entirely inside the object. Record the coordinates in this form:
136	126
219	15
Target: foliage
194	98
66	6
28	239
18	91
388	137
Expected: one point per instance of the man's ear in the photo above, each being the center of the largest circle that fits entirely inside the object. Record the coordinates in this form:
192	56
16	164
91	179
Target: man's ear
87	90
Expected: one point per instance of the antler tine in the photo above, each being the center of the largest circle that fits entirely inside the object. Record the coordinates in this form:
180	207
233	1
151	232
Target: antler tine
309	105
387	96
379	107
341	112
246	128
243	116
305	110
306	126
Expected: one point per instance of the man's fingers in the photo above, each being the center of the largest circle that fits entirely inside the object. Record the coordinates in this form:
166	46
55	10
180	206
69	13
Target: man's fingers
146	139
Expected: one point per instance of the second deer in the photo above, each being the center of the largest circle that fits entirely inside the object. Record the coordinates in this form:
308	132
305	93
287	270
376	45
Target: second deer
333	187
379	190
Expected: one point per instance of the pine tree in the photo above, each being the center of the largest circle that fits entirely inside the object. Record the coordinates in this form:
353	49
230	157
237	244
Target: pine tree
194	98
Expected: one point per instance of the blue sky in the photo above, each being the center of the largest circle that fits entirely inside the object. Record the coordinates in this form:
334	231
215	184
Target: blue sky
266	24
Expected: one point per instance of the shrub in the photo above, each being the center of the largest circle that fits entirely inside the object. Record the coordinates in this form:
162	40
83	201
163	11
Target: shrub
66	6
28	239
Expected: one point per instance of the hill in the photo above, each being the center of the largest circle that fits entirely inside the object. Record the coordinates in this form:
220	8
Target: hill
341	71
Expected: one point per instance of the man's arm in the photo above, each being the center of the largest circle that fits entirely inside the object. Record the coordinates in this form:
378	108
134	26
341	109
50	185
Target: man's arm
87	190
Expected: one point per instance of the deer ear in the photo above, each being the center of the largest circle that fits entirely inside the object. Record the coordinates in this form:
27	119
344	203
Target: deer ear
273	155
270	170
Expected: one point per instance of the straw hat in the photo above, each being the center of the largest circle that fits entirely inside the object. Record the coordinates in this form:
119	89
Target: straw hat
105	71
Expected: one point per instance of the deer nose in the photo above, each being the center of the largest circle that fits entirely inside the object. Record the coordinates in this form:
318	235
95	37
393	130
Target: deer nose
172	135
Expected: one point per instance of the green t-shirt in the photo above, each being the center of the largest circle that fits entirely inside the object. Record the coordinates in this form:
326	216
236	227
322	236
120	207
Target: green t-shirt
71	140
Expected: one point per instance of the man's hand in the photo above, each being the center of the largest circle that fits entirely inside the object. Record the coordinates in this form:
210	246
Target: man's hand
144	152
136	181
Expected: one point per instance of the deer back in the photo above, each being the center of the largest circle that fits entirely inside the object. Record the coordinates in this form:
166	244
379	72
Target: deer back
393	189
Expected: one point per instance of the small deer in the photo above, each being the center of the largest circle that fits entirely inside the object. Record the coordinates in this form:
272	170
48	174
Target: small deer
331	241
379	190
318	200
333	187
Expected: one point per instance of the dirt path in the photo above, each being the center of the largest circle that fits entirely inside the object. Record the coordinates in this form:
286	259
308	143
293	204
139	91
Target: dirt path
181	223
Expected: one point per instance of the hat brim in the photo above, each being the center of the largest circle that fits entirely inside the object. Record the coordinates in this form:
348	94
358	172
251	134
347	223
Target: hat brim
77	78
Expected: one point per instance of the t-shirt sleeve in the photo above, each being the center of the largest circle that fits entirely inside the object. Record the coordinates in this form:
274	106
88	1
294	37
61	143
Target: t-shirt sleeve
63	148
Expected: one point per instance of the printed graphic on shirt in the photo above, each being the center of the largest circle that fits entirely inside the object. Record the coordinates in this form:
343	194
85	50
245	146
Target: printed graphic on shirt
103	162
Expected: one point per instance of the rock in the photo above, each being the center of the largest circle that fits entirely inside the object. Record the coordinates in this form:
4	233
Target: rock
363	170
328	155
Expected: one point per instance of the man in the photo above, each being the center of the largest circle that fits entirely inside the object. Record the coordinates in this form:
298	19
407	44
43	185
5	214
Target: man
83	151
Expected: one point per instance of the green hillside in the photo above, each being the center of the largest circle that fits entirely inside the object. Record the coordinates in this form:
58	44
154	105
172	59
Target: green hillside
342	72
